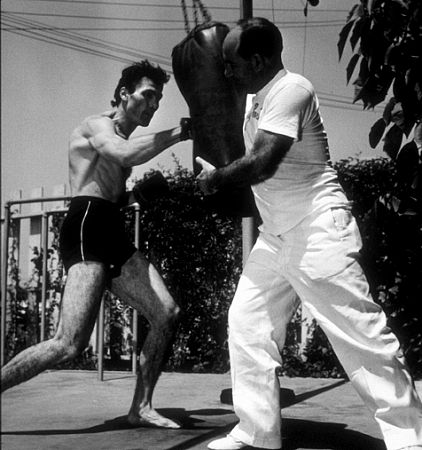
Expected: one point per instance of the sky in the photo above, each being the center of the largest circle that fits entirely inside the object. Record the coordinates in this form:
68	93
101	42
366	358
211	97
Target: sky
61	60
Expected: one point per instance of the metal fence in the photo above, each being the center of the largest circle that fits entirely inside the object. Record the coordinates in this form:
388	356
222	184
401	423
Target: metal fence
9	216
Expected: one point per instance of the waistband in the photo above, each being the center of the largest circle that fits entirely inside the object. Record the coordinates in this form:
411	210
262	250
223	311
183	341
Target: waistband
81	200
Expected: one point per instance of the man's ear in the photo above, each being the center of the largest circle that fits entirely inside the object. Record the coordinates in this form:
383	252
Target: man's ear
124	93
258	62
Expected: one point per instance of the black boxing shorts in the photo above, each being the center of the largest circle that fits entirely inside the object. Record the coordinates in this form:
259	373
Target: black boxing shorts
94	230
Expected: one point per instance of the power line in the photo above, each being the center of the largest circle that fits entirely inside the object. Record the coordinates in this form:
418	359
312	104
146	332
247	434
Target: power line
85	39
99	2
345	99
108	28
47	28
40	31
332	100
69	45
83	42
73	47
345	106
78	16
335	99
286	24
143	5
329	94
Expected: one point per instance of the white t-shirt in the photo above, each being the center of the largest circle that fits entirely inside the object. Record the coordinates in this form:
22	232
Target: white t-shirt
305	181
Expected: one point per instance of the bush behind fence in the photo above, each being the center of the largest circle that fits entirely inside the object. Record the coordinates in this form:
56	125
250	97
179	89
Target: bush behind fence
198	252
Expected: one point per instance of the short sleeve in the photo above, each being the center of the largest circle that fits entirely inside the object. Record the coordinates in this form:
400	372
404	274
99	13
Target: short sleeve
284	109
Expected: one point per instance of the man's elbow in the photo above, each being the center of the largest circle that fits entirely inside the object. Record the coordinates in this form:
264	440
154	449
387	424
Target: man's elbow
131	160
126	161
264	174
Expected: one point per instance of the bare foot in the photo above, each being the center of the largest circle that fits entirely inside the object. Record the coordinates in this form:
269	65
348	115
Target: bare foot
151	418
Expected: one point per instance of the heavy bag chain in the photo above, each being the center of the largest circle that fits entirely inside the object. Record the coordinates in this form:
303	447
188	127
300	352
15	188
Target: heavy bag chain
196	5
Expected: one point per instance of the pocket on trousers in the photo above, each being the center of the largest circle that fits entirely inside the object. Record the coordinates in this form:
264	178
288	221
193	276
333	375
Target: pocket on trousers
346	227
342	219
332	243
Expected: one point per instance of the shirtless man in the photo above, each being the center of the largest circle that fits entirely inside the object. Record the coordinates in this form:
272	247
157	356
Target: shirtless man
95	249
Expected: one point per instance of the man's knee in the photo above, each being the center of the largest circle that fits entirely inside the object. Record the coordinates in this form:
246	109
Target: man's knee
166	319
68	349
172	314
246	326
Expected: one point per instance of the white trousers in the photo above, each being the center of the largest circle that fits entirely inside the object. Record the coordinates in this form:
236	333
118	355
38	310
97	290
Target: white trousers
317	260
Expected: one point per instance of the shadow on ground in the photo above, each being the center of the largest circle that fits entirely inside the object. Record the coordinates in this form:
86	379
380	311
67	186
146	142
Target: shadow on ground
298	434
120	423
303	434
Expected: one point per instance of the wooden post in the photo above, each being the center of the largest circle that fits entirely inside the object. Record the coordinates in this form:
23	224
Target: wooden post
247	9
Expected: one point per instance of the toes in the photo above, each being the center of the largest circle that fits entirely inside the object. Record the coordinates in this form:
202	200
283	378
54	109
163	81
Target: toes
154	421
172	424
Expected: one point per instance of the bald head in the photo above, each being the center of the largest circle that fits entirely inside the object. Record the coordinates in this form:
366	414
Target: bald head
259	36
252	53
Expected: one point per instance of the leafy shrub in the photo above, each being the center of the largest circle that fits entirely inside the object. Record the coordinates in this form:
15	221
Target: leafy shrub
207	267
198	253
317	359
392	249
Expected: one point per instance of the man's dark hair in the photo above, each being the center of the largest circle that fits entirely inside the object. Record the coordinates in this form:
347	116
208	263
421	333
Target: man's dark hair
259	36
133	74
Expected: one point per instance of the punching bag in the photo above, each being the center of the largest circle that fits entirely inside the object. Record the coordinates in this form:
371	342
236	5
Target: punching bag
216	109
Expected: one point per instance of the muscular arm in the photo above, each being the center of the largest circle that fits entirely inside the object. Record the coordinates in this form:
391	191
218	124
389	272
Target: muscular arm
134	151
267	153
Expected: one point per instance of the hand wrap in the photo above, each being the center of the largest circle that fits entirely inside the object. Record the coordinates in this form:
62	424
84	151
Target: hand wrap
186	128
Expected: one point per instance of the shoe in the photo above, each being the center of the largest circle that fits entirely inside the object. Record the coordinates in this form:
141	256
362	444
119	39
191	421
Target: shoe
226	443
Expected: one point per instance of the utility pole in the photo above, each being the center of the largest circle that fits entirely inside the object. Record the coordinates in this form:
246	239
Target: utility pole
246	9
248	223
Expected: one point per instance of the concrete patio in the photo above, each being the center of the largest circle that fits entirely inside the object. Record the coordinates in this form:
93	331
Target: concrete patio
74	410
